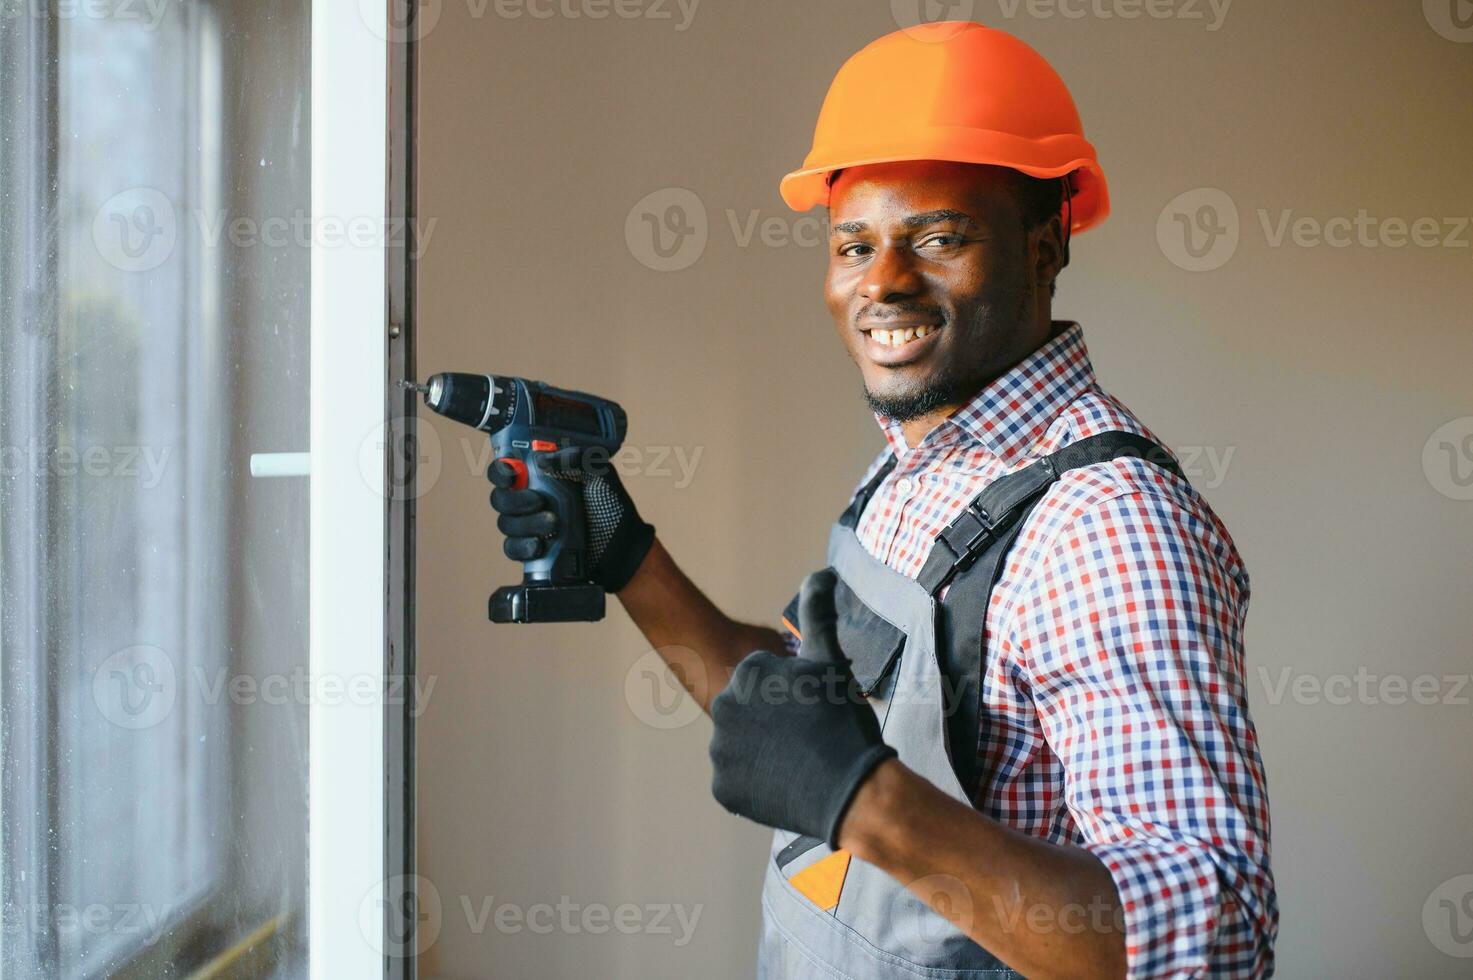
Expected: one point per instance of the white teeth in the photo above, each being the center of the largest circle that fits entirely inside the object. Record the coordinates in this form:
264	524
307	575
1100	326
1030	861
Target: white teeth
901	335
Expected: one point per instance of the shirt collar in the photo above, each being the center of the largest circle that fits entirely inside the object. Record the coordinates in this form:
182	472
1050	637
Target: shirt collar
1011	413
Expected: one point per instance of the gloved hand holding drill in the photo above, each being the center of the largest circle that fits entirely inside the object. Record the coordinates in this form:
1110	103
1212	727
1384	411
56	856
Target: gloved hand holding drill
618	539
552	470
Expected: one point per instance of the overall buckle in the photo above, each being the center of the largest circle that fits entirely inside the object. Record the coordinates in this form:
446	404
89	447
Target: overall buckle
987	526
966	536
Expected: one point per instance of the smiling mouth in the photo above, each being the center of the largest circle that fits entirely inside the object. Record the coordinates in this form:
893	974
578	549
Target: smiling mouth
899	336
898	345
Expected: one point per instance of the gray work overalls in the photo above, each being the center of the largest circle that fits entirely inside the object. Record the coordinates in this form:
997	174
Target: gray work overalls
918	659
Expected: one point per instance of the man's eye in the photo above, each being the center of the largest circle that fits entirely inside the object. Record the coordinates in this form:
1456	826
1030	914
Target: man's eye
852	249
943	241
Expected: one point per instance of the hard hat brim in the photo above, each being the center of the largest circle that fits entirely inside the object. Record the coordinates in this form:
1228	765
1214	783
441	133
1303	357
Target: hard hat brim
1049	157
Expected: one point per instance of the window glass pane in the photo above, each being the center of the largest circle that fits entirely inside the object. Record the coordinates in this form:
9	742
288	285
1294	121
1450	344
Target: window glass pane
154	272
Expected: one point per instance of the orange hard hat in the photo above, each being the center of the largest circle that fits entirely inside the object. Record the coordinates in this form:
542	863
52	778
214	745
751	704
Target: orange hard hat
953	90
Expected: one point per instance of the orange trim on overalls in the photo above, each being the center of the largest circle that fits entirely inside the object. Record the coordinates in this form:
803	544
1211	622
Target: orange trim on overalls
822	881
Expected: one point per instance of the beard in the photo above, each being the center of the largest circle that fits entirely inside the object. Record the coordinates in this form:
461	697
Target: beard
919	400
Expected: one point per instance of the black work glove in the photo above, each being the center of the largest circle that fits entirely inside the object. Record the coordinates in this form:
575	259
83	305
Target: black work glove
794	739
618	539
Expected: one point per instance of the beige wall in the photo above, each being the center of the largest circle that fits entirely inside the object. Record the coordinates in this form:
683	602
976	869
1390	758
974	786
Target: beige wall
1322	371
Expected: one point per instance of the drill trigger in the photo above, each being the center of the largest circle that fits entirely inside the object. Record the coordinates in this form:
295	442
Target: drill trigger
519	468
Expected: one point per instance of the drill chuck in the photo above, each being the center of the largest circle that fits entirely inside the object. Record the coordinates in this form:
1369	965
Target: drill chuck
467	398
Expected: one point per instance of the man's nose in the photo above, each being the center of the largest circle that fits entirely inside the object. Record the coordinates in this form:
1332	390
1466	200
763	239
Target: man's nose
891	276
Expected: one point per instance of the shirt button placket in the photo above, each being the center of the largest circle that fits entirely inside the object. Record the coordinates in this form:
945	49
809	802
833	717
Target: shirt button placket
904	489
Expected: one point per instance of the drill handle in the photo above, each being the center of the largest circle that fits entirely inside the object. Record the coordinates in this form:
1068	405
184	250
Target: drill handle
565	556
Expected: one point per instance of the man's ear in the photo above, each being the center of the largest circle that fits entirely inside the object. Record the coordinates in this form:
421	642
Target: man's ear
1046	251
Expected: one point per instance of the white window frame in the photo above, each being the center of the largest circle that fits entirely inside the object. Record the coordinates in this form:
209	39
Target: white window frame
346	783
348	779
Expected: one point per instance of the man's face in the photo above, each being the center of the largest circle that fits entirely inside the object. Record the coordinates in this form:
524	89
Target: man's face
933	282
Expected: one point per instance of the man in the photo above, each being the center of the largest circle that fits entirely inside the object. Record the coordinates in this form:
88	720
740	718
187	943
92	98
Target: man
1015	739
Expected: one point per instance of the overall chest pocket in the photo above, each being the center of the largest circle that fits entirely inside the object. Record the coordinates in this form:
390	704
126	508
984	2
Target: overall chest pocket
872	643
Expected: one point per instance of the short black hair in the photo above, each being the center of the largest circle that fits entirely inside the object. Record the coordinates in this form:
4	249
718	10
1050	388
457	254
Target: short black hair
1040	198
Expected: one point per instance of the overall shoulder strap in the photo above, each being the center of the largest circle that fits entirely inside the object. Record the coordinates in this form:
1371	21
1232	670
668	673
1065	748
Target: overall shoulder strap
1007	499
850	517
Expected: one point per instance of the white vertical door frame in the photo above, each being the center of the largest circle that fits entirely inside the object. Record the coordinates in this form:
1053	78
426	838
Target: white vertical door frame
347	506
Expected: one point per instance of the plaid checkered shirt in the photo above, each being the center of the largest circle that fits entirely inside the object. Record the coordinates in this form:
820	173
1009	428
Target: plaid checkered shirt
1114	715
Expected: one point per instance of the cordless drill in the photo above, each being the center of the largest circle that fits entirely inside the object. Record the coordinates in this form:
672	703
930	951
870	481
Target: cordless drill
524	418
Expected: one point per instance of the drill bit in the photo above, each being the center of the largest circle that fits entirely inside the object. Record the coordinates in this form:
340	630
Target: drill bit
422	389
